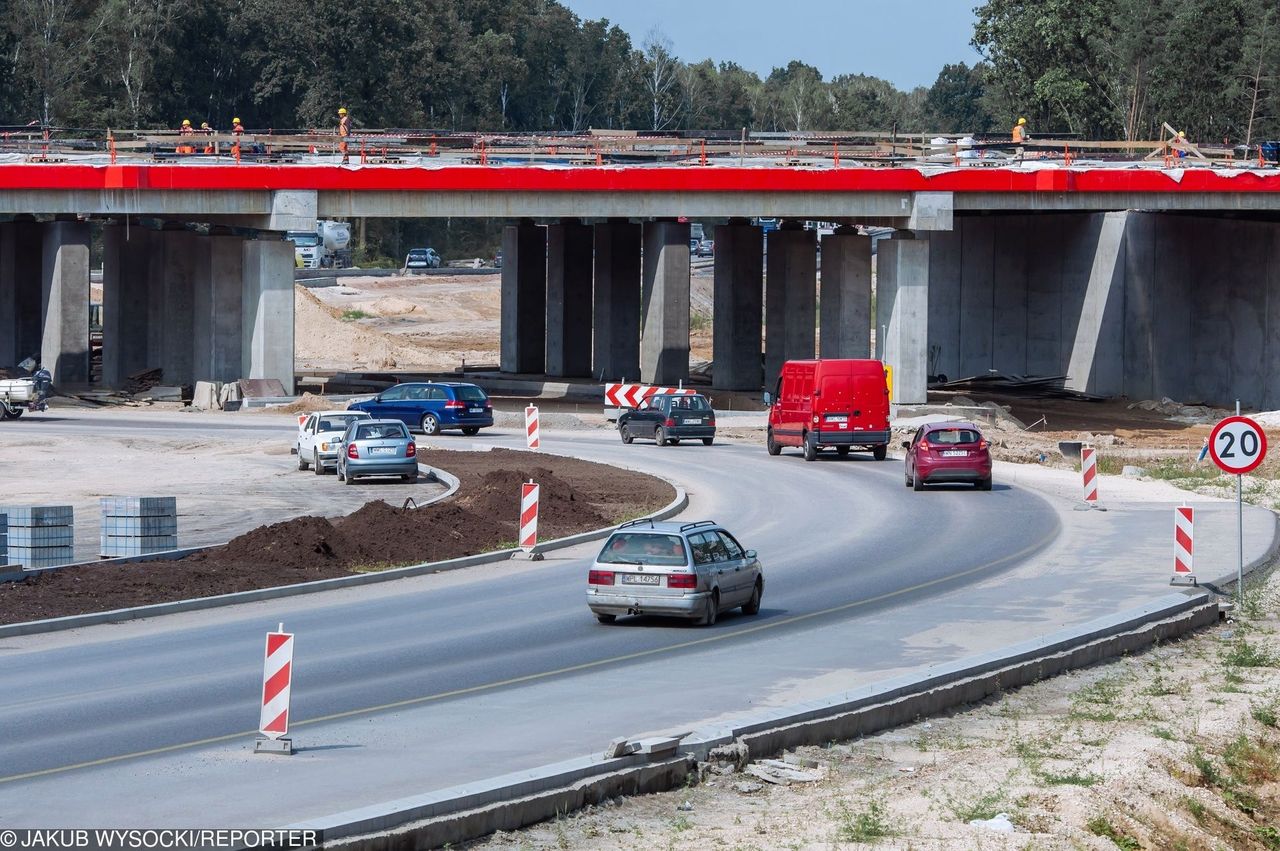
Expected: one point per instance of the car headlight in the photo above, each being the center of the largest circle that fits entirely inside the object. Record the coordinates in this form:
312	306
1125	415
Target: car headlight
324	447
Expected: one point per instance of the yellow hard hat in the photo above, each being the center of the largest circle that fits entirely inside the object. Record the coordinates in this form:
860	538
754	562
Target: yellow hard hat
186	122
204	123
1182	134
235	121
342	110
1022	121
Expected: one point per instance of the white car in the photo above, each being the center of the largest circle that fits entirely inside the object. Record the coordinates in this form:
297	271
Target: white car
319	436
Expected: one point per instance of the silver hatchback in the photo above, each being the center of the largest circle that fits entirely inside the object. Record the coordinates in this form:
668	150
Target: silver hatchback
377	448
686	570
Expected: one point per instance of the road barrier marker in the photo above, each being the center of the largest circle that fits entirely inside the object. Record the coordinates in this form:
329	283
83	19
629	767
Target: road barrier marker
1089	479
529	522
277	678
623	395
1183	545
531	432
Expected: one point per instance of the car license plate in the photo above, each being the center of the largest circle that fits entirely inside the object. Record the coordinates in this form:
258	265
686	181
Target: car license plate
837	418
382	450
692	421
955	453
477	410
641	579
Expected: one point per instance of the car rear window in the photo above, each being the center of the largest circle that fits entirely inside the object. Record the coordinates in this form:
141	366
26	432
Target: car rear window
380	431
644	548
954	435
418	252
469	393
689	403
336	422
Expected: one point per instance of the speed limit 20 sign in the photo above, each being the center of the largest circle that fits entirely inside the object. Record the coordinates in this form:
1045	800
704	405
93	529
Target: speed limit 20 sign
1237	445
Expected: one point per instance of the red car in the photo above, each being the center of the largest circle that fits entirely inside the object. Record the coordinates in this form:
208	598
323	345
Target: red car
948	452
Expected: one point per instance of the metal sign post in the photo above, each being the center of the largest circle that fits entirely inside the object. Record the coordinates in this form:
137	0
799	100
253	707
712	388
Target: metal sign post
1238	445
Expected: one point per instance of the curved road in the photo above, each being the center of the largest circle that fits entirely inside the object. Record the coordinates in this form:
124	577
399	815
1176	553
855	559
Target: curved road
425	683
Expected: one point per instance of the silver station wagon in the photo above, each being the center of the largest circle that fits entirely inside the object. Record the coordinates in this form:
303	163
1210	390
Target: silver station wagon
685	570
377	448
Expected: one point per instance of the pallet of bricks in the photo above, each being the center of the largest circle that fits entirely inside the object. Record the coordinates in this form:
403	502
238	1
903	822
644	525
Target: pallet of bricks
137	525
39	535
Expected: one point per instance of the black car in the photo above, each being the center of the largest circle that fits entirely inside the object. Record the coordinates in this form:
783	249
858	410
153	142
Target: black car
669	419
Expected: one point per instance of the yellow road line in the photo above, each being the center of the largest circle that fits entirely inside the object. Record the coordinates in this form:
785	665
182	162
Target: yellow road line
526	678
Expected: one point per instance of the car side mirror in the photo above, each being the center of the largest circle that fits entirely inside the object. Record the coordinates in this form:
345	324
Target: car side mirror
768	399
751	553
906	444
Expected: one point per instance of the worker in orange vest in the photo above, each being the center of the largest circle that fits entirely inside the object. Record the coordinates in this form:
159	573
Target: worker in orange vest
206	130
344	133
1019	137
186	130
236	127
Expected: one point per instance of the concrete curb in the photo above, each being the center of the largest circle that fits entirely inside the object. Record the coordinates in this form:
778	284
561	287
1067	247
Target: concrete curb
468	812
156	610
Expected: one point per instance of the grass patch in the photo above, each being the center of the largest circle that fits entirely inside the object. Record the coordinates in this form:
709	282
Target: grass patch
1242	654
984	807
1268	836
699	321
1251	762
680	824
1102	826
1097	701
1265	714
866	825
1198	811
1162	733
1175	469
352	315
1072	779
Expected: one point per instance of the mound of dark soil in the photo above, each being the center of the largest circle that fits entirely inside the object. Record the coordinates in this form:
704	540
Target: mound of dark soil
575	496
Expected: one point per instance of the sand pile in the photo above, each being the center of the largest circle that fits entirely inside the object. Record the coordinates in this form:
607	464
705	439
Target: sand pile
323	339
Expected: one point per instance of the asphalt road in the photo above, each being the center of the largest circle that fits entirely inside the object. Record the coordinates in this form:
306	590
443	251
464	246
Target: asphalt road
423	684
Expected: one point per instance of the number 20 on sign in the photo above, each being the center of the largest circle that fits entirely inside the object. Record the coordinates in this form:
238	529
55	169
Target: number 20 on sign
1237	445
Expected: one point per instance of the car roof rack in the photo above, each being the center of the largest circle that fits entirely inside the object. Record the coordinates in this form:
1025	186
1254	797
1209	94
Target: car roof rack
631	523
689	526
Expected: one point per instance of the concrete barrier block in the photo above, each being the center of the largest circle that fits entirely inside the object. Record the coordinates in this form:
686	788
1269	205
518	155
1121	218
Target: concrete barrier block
39	515
206	395
137	527
139	506
40	536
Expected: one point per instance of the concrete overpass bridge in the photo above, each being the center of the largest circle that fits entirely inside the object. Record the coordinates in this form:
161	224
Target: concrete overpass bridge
1134	279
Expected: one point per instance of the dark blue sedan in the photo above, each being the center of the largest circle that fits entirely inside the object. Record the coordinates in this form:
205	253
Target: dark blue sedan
432	407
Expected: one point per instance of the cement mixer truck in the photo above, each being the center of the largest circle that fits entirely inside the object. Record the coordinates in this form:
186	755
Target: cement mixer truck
327	247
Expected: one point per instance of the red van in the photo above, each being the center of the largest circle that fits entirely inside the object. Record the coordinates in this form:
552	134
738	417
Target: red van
819	404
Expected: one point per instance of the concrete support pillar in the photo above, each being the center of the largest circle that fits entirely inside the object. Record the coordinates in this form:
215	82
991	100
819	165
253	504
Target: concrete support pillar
664	330
790	298
126	280
170	317
738	308
524	298
267	309
8	298
217	308
902	311
65	310
845	329
569	299
616	305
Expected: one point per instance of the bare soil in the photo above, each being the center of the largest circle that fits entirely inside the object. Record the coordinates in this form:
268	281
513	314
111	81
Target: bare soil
576	496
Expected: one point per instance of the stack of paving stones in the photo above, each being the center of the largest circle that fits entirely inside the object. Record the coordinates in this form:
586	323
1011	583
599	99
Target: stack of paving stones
137	525
39	536
4	539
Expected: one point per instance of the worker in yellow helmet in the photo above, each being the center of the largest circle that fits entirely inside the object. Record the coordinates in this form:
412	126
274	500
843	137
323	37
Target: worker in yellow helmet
1181	146
186	130
344	132
236	127
1019	137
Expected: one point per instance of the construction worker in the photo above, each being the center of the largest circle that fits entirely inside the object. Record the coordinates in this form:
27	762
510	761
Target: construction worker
344	133
186	130
1019	137
236	127
206	130
1181	146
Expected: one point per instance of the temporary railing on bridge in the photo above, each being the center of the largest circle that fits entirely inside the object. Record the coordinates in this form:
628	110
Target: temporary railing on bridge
597	147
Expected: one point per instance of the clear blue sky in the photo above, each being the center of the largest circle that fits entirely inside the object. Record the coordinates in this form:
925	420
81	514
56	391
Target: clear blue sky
906	42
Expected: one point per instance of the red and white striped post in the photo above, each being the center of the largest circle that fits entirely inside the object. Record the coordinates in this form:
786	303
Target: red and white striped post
277	677
529	521
1089	475
531	432
1184	519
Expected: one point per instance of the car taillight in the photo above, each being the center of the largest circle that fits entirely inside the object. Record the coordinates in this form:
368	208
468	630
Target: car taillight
711	421
411	450
670	421
682	580
982	444
924	446
352	452
600	577
454	403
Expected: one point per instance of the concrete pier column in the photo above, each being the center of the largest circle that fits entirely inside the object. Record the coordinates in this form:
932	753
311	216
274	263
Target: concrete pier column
738	318
845	303
524	298
569	299
126	280
902	311
217	309
65	310
616	303
267	309
664	330
20	271
791	289
170	320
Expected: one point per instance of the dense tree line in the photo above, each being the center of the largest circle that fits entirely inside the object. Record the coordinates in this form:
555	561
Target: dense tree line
1095	68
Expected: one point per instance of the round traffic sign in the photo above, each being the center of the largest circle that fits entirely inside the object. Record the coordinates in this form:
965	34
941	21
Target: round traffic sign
1237	444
